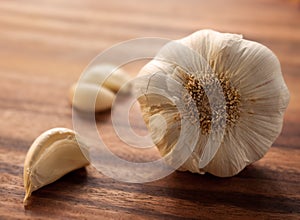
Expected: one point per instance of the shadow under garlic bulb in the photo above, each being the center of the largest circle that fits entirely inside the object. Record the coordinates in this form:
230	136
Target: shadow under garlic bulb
230	87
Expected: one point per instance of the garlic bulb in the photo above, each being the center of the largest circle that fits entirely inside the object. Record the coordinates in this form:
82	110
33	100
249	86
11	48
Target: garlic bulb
232	88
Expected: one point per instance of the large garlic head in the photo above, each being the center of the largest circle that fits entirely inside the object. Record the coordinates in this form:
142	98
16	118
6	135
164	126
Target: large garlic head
231	88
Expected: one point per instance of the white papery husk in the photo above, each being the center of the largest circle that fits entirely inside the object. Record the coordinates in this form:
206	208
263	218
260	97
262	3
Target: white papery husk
252	69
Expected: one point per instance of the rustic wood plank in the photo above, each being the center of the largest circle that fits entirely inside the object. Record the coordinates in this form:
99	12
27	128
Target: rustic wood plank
45	45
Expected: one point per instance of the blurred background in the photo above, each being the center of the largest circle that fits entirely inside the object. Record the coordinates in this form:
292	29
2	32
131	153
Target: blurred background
51	42
46	44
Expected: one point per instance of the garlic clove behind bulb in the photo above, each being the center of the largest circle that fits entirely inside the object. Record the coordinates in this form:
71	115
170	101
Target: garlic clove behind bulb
237	127
109	76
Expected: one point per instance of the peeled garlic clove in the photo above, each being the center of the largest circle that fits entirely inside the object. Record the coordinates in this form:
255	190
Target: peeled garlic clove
91	97
108	76
53	154
252	87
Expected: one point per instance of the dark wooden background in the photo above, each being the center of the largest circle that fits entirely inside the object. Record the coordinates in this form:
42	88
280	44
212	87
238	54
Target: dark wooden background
44	47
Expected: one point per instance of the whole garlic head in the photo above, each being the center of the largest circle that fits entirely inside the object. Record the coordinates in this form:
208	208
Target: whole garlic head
232	88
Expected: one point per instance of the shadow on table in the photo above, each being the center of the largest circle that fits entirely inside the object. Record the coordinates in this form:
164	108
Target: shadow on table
61	190
254	189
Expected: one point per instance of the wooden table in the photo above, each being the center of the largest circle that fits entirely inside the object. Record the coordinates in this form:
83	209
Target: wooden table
44	47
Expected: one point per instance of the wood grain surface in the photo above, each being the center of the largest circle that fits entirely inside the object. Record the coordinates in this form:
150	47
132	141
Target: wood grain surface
44	47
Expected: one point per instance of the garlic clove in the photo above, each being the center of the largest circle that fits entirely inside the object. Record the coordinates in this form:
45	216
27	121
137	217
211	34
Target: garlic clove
108	76
91	97
53	154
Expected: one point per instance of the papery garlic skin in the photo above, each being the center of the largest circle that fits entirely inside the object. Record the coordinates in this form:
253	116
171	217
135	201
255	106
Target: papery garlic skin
250	71
53	154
